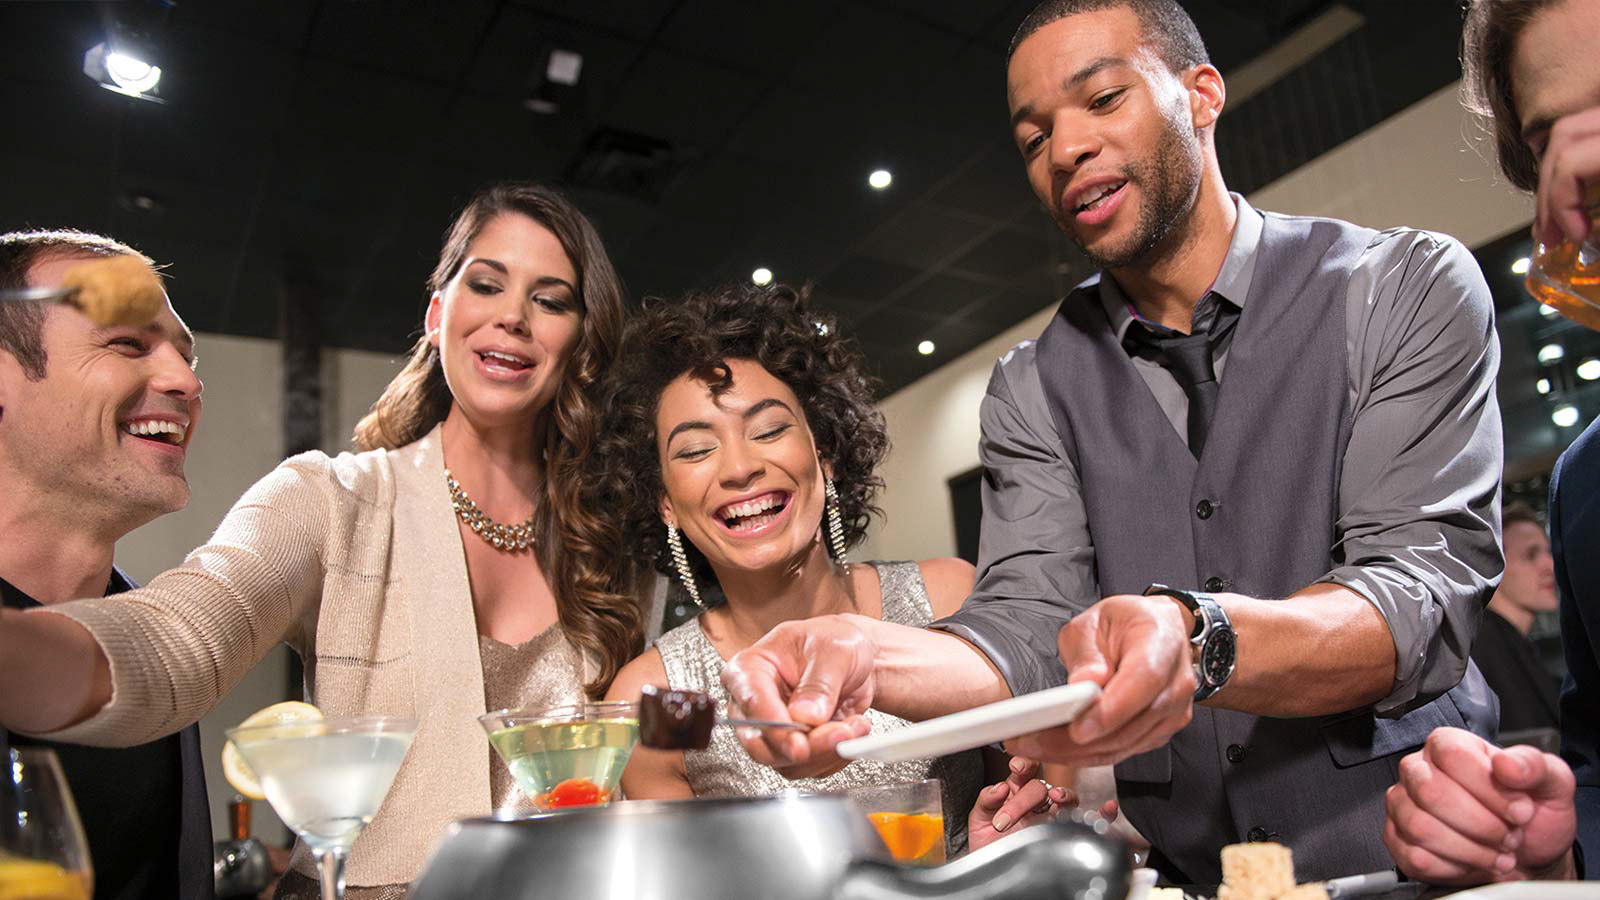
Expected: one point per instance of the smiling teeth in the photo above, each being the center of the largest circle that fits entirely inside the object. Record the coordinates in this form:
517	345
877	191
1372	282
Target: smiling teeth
1107	191
150	427
750	507
491	354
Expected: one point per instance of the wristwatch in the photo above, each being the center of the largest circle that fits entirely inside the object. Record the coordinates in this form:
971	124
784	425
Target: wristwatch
1215	647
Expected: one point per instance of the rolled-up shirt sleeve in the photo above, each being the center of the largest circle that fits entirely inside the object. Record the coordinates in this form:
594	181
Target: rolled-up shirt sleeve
1035	558
1419	496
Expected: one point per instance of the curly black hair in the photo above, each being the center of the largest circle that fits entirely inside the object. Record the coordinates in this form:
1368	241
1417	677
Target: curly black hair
775	326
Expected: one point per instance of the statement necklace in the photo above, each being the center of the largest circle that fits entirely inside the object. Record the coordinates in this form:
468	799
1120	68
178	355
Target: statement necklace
502	537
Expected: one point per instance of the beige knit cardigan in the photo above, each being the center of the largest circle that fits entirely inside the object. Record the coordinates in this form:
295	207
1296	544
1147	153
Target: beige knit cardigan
358	564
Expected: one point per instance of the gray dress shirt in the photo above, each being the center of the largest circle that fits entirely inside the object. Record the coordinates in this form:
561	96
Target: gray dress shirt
1419	518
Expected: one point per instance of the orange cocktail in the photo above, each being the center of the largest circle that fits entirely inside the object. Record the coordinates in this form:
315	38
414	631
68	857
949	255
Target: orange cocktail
915	838
909	817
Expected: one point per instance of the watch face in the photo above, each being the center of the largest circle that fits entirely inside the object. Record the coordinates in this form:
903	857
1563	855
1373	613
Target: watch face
1216	660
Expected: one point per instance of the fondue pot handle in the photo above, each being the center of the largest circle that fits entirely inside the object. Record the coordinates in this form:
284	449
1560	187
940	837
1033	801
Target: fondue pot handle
1052	861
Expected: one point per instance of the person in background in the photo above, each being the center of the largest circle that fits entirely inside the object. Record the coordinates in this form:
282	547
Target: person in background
372	566
95	424
1463	810
1508	659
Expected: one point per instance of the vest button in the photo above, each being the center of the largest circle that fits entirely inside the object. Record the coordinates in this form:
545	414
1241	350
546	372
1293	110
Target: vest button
1214	584
1204	509
1257	834
1235	754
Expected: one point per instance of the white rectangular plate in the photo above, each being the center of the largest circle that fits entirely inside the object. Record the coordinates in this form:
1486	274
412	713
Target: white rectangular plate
1530	890
976	727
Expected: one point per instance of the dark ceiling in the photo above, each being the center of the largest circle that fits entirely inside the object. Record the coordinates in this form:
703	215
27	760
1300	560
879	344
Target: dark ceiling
326	143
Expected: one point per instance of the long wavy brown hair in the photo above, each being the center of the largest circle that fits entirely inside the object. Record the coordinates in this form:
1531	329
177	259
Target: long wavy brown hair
775	326
600	611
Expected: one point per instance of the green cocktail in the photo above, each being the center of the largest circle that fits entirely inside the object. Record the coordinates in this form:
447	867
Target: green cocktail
566	756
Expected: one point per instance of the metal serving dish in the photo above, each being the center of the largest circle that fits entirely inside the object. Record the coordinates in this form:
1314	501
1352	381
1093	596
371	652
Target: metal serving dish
783	848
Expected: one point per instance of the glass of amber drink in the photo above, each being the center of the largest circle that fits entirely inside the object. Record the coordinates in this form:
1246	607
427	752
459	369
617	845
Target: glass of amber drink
1566	276
909	817
43	854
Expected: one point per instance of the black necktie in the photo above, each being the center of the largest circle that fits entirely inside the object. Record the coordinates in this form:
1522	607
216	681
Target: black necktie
1188	358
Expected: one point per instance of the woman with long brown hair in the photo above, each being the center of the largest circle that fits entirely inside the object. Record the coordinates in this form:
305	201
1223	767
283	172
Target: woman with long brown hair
430	576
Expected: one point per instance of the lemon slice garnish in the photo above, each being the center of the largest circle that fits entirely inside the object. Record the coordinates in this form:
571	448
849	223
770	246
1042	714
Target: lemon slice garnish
234	767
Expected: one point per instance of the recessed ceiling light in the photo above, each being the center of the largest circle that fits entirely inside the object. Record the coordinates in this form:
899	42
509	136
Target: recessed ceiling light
880	179
1565	415
122	70
1589	369
1550	353
1546	310
822	328
1521	266
925	348
1542	385
762	276
564	67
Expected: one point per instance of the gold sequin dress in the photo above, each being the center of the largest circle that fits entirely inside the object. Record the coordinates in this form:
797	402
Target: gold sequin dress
724	769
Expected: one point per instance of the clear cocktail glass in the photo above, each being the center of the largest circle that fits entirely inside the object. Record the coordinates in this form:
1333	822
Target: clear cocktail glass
565	756
326	779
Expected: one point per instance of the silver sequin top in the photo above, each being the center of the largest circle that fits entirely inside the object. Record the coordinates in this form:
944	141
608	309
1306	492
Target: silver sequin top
724	769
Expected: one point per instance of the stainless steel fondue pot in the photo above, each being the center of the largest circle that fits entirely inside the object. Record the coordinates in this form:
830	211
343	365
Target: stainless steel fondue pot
783	848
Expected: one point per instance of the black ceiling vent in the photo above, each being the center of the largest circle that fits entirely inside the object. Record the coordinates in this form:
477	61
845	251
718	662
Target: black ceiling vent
624	162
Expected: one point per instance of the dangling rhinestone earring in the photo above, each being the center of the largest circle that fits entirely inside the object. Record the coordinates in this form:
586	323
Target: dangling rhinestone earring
681	561
835	523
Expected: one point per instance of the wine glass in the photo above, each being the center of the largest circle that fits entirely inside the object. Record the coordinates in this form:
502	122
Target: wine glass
326	779
43	854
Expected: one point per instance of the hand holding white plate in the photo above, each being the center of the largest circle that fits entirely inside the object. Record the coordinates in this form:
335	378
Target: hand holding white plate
977	727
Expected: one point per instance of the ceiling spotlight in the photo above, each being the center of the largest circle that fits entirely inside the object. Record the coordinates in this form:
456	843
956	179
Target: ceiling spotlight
1550	353
880	179
1521	266
762	276
124	70
1547	310
925	348
1565	415
822	328
564	68
553	85
1589	369
1542	385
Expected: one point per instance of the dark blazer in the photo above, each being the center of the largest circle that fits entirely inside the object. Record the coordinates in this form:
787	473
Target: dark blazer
1510	663
1575	541
192	864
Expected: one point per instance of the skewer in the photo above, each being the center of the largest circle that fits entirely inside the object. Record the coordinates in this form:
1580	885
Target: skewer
113	291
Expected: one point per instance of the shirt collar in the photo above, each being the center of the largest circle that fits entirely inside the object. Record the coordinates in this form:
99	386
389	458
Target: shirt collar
1233	280
13	597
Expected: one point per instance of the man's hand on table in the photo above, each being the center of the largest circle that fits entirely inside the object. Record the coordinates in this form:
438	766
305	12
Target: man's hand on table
1137	649
1466	812
817	672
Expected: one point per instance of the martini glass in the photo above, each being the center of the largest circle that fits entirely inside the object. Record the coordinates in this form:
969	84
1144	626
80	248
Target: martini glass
566	756
326	779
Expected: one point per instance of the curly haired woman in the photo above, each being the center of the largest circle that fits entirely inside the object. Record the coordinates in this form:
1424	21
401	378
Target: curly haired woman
740	447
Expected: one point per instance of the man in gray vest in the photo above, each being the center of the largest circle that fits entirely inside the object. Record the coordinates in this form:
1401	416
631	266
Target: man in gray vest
1251	431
